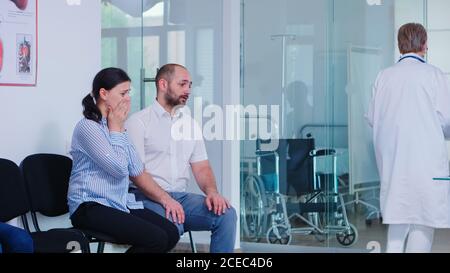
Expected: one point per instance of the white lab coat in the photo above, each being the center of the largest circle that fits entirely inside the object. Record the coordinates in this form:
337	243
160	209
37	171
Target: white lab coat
410	116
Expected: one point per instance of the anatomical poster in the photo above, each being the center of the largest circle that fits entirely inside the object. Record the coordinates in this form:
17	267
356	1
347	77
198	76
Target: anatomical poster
18	42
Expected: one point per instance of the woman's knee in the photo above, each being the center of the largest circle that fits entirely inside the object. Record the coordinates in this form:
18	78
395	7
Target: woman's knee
163	240
155	243
173	236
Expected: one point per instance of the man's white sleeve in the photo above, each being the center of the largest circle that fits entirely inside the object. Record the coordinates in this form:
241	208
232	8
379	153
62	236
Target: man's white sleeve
136	133
199	153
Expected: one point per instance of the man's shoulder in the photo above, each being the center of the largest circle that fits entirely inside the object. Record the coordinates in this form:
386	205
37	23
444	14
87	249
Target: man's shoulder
142	115
138	121
186	115
434	69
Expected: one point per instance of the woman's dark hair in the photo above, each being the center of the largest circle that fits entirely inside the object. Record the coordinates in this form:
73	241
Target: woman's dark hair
107	78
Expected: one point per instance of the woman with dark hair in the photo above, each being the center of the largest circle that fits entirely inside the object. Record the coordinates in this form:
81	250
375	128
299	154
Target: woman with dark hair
103	162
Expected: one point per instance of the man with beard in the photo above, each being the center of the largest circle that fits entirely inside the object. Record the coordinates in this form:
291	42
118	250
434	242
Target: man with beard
167	158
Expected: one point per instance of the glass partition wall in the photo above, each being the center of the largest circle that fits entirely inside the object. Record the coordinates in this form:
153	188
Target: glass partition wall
307	171
140	36
318	60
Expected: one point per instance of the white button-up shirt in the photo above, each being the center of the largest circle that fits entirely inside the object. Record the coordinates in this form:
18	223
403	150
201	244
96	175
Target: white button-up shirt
166	154
102	164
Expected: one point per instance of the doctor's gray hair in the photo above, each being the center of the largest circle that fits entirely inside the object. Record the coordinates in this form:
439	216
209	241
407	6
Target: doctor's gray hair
412	38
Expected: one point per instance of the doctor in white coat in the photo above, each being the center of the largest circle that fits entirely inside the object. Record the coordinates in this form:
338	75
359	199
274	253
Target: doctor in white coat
410	116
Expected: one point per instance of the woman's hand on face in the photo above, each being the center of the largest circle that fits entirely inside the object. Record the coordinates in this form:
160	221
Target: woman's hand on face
117	116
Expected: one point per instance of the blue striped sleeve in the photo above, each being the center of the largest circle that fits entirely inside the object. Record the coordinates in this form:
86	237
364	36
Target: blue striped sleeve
111	157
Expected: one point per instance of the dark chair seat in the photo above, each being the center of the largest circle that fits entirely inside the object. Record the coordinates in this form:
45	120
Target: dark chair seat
59	241
47	178
96	236
14	202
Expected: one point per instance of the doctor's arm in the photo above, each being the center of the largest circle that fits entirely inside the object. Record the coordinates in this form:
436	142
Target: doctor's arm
442	101
371	109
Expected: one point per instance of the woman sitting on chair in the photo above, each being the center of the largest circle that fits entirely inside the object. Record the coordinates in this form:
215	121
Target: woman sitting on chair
103	162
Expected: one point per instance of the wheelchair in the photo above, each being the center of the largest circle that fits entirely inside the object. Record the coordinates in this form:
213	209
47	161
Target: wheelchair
287	187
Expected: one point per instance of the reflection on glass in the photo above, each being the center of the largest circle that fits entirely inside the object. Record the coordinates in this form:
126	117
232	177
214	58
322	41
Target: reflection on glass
151	63
109	52
154	16
177	47
322	80
203	81
120	14
439	9
134	63
438	55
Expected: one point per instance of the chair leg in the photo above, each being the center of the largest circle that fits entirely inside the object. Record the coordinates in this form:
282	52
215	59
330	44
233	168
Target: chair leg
193	247
101	247
86	249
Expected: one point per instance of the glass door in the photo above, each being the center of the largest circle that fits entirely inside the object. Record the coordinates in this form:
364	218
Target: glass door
287	188
317	60
142	35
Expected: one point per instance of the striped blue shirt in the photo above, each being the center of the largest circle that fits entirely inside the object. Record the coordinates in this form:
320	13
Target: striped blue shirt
102	164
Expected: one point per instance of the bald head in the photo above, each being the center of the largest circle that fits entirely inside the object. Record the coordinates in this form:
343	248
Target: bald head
167	73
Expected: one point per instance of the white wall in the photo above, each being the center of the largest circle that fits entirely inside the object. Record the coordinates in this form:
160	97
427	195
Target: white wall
41	119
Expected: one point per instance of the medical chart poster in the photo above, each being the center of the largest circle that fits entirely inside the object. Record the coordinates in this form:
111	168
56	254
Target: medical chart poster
18	42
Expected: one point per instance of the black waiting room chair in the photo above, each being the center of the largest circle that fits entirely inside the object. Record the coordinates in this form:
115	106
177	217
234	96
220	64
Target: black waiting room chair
47	179
14	203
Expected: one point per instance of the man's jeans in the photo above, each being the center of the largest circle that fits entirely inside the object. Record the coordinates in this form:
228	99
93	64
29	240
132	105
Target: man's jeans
199	218
14	240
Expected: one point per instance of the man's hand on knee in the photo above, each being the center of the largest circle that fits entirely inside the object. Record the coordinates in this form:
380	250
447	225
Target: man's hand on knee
174	210
217	203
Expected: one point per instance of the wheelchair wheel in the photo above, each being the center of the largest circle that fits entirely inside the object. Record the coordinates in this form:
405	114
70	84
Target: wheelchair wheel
347	237
253	204
279	234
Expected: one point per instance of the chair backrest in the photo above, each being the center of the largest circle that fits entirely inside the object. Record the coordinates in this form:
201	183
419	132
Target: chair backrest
14	202
13	196
47	180
295	166
300	165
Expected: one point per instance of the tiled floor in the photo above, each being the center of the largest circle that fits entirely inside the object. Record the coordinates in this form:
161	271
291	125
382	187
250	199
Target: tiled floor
369	236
